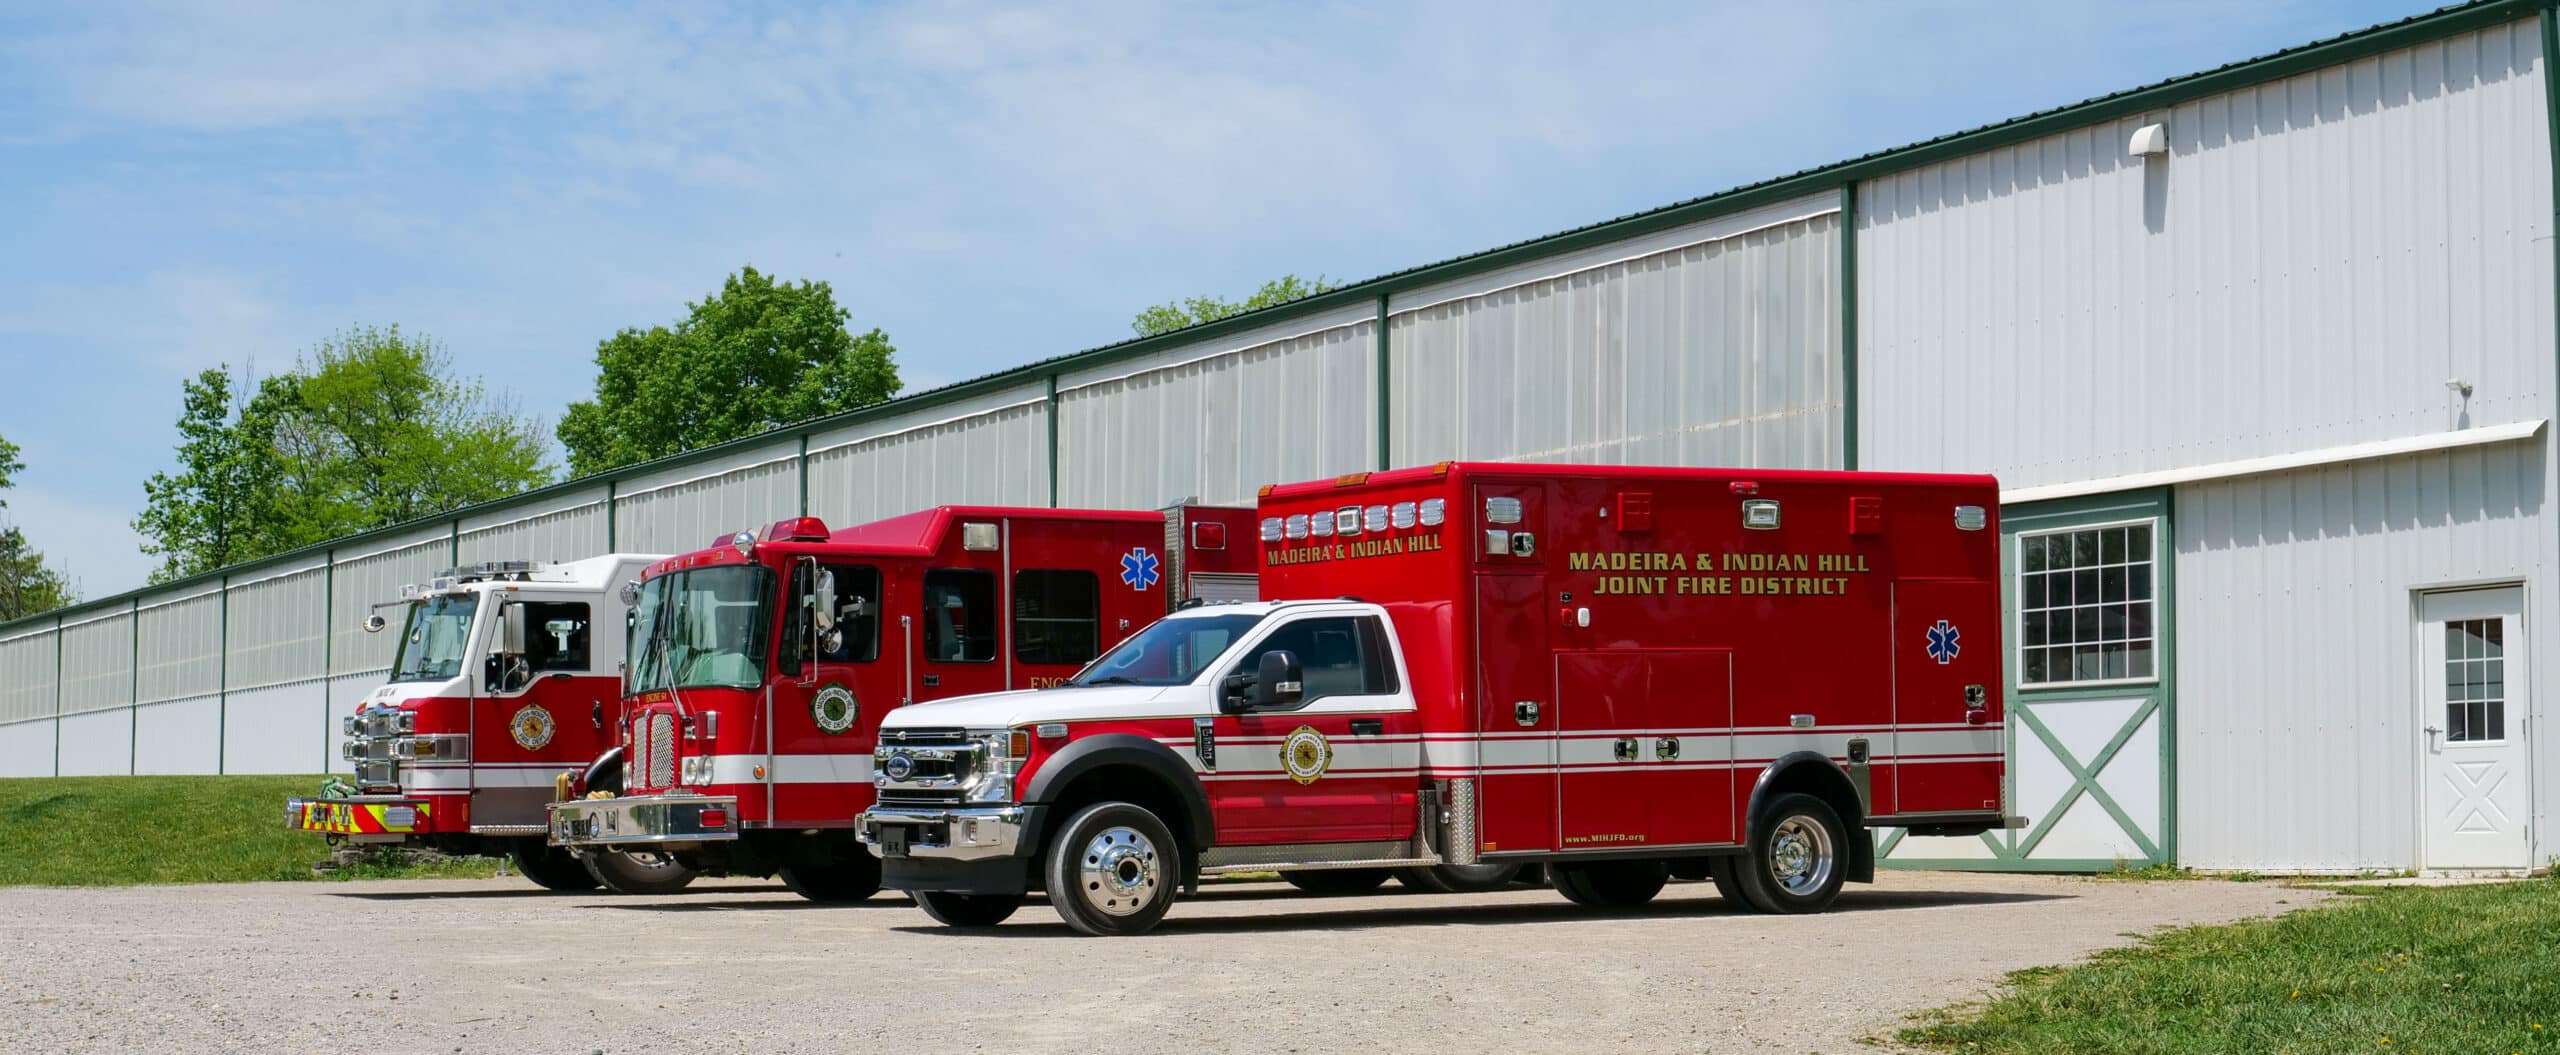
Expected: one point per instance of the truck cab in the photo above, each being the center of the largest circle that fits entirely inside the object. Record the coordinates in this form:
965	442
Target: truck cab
1622	674
762	666
506	673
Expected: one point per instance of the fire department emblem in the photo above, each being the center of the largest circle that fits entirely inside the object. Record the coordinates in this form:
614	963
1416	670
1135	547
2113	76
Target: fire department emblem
833	709
532	727
1942	642
1305	754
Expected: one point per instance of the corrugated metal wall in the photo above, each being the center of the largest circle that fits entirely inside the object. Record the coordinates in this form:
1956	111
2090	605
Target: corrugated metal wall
1216	420
28	676
2305	269
373	578
570	532
97	665
1723	348
992	450
180	648
2297	725
690	512
276	631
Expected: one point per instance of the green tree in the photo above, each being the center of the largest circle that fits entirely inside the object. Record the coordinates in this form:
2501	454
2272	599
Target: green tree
1192	311
754	356
371	428
27	585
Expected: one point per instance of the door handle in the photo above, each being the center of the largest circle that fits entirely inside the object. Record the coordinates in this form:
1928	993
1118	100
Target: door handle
1626	749
596	714
2435	738
1666	748
1368	726
1525	712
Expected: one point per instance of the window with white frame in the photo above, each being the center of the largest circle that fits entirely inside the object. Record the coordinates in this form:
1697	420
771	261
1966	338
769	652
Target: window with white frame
2085	605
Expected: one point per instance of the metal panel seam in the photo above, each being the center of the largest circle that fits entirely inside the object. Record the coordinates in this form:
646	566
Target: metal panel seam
1379	397
329	640
1051	410
221	687
1849	326
133	689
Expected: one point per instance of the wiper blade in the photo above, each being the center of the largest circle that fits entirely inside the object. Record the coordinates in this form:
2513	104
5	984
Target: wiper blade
1115	679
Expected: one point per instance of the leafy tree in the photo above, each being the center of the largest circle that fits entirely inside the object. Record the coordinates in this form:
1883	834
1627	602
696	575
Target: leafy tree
27	586
756	355
371	429
1192	311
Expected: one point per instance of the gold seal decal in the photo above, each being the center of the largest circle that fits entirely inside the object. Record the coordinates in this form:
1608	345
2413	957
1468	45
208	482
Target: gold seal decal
1305	754
532	727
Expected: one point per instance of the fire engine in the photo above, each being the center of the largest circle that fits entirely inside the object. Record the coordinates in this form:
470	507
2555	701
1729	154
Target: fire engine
1625	674
762	666
506	673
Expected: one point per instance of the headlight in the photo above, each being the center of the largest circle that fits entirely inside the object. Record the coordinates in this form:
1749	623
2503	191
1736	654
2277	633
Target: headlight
696	771
351	750
408	721
1003	751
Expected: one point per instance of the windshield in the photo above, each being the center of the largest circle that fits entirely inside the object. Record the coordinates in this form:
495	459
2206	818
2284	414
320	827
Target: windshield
1172	652
433	640
700	628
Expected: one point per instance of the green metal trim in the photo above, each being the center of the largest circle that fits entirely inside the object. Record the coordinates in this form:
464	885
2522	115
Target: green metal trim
133	689
803	466
328	646
452	547
2046	866
222	684
2164	636
1385	382
1052	414
2084	780
1892	839
2321	54
1849	326
609	501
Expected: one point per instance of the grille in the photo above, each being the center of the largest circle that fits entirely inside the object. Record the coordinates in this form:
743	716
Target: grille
935	737
912	799
662	750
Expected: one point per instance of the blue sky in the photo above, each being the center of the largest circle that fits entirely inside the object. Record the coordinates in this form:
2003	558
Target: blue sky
991	183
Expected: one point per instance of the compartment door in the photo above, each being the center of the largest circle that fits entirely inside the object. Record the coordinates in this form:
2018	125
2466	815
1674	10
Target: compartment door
1515	715
1946	665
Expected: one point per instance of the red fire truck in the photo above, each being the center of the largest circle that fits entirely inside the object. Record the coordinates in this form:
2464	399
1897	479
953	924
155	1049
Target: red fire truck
1625	674
762	666
506	672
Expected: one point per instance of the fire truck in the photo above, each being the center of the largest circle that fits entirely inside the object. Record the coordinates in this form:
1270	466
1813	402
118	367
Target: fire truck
506	673
1624	674
761	667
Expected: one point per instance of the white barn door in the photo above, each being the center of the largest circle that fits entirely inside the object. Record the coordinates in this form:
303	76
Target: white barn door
2471	718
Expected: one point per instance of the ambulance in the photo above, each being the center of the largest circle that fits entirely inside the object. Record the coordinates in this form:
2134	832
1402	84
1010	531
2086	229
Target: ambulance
1623	674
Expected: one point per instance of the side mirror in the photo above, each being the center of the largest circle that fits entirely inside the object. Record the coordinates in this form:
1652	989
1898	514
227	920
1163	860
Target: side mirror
512	630
1233	691
1279	682
823	611
373	624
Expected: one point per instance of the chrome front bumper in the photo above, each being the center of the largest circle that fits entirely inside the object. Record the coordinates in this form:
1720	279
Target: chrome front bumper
644	820
977	833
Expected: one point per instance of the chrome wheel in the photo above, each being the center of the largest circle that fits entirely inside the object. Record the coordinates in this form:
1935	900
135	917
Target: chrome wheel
1118	872
1801	856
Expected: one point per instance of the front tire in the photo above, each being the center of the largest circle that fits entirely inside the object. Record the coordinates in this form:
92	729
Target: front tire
1112	870
1799	857
551	868
1610	885
850	877
1336	882
638	873
967	910
1459	879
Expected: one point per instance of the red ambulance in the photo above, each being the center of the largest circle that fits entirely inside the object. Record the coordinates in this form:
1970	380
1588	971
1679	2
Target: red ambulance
761	667
1624	674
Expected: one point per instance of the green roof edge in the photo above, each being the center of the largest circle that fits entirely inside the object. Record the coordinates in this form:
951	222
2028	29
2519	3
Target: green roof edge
2346	47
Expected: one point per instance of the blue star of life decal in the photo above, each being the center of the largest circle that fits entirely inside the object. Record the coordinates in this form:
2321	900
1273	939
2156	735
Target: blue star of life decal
1138	568
1942	642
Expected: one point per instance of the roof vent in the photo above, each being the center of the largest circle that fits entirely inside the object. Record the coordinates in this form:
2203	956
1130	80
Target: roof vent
2149	141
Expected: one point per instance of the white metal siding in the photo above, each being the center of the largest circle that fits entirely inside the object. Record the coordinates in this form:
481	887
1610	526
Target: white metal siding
2297	733
998	456
1218	424
574	533
26	748
97	665
1722	353
181	647
688	515
276	631
27	679
276	729
99	743
178	736
2305	269
363	582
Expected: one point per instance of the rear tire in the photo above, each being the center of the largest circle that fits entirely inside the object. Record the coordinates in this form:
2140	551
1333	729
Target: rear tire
642	873
851	877
1337	882
1610	885
1459	879
967	910
1113	869
1799	857
551	868
1721	870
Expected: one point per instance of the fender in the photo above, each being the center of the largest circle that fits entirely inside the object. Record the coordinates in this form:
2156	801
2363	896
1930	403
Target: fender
1089	753
608	762
1860	854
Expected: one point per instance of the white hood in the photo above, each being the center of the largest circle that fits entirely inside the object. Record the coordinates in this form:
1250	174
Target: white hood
997	710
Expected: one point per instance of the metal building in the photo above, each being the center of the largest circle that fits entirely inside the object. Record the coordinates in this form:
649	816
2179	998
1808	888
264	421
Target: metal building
2265	358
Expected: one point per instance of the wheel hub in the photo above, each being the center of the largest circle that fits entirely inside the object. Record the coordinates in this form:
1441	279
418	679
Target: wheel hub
1800	855
1119	872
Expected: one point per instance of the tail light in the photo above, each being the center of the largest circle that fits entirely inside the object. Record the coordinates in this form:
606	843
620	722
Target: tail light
715	818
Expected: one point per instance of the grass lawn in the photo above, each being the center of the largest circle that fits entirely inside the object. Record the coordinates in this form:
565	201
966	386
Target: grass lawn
113	831
2452	969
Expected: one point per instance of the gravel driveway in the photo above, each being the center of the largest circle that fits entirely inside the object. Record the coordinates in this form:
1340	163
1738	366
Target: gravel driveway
496	966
